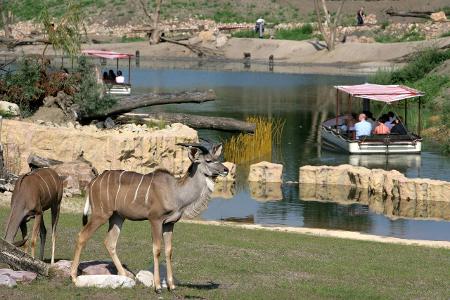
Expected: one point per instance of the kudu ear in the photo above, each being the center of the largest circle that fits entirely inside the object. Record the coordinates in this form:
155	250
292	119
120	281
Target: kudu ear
217	150
193	154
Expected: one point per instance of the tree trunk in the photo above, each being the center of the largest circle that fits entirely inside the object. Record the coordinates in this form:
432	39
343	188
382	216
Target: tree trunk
411	14
129	103
156	33
19	260
329	31
194	121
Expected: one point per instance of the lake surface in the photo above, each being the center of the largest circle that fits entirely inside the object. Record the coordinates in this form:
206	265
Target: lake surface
304	101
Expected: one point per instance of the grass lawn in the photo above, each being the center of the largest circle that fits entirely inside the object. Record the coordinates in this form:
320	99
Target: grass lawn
217	262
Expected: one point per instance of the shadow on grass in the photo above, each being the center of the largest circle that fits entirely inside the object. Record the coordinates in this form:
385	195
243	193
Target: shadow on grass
210	285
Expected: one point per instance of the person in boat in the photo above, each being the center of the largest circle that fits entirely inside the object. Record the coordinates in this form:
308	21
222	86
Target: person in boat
105	76
370	119
362	128
398	127
120	78
381	127
390	118
112	75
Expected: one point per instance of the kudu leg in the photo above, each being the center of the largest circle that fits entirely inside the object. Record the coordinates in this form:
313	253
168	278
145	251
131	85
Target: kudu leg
24	230
34	234
115	225
167	235
43	237
55	218
85	234
156	238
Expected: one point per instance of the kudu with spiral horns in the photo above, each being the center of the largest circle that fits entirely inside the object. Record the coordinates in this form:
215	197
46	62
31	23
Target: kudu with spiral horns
158	197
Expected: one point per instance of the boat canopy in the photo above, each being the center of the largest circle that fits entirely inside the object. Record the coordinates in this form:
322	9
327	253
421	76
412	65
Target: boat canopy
378	92
106	54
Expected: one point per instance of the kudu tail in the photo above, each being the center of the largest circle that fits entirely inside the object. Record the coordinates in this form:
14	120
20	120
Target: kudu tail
86	210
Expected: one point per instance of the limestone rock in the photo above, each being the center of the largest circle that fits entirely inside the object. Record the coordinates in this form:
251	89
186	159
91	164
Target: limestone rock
7	281
265	172
145	277
9	108
105	281
77	175
231	172
18	276
221	40
95	267
439	17
116	148
61	268
162	275
206	36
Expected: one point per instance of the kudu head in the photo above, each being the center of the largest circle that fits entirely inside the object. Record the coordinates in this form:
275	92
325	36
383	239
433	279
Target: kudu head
206	161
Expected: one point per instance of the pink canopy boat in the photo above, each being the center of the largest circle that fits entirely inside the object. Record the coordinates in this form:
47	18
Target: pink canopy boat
333	135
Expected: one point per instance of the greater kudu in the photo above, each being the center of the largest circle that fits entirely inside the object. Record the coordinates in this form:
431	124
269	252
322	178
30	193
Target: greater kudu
34	193
158	197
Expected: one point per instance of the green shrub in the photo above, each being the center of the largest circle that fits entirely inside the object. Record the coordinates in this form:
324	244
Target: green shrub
298	34
409	36
90	97
445	34
244	34
131	39
22	86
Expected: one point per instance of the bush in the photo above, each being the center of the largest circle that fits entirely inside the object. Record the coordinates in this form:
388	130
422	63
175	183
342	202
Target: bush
90	97
409	36
244	34
22	86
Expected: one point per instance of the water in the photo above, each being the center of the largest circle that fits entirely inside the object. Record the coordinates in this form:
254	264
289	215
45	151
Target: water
304	101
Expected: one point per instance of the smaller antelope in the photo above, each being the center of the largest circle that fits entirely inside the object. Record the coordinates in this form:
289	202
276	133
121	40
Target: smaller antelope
34	193
157	197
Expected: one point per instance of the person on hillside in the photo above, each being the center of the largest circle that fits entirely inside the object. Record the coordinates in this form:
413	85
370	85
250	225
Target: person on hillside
362	128
259	27
399	128
381	127
119	77
360	17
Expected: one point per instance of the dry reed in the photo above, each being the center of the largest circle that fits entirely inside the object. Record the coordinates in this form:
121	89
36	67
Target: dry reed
244	148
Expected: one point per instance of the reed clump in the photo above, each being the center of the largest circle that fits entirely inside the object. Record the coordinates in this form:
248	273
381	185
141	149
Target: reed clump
244	148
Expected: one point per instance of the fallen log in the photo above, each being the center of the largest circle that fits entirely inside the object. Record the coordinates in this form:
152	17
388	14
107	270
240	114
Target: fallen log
411	14
34	162
129	103
194	121
19	260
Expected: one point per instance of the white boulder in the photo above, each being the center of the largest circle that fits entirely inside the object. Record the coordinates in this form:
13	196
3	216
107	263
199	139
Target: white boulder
146	278
265	172
105	281
9	108
5	280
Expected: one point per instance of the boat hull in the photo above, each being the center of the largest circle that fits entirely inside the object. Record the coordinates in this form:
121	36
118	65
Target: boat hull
371	147
119	90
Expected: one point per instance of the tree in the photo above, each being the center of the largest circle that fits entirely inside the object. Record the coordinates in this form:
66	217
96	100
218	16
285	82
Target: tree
154	20
7	19
67	33
328	23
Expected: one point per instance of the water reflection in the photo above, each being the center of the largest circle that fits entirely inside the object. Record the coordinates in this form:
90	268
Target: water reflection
377	203
265	191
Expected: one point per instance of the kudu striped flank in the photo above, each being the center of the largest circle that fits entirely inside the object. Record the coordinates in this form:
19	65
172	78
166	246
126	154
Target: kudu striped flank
158	197
34	193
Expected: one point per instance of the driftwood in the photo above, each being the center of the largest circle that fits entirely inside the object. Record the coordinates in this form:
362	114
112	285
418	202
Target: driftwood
35	162
412	14
194	121
129	103
19	260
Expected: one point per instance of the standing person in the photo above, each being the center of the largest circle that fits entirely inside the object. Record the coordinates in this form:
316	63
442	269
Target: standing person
360	16
362	128
259	27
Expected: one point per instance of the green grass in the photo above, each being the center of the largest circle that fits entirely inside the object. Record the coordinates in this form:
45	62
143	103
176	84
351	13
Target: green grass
409	36
228	263
445	34
131	39
296	34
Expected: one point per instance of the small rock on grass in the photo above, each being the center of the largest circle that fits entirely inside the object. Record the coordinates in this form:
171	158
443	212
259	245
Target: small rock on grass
19	276
146	278
105	281
5	280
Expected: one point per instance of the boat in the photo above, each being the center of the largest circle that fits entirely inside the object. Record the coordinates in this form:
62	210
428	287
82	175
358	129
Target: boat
113	87
333	137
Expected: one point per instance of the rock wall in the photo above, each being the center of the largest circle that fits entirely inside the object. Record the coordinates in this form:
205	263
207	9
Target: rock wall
389	184
131	147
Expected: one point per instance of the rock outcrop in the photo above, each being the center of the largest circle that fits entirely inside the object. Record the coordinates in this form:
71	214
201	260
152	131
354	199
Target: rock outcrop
129	147
388	184
105	281
265	172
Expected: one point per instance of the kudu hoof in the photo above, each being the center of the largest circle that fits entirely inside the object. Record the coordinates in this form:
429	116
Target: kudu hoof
172	287
158	290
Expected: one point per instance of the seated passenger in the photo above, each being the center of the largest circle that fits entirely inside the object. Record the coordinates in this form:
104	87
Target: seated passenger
399	128
381	127
363	127
112	75
105	76
370	119
120	78
390	118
